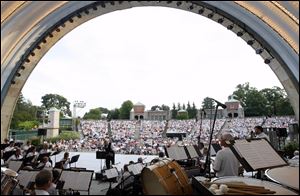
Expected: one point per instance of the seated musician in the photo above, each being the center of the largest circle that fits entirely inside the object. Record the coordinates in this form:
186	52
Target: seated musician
2	160
11	147
26	147
16	156
226	164
52	190
44	163
127	181
65	160
45	150
43	182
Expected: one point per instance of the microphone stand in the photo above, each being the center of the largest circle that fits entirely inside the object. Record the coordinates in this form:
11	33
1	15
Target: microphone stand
207	161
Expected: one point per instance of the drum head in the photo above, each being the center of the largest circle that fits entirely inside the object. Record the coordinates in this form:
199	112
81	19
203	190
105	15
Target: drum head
10	172
151	183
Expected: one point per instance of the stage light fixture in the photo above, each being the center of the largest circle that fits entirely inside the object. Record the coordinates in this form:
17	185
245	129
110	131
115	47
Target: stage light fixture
240	33
71	20
86	11
13	82
268	60
229	27
220	20
201	11
178	3
250	42
18	74
259	51
22	67
191	7
210	15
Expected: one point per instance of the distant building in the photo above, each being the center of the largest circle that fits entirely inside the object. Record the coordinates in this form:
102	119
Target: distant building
138	113
233	109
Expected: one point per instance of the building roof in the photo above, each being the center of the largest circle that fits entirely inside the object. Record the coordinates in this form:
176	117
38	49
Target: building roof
231	99
138	104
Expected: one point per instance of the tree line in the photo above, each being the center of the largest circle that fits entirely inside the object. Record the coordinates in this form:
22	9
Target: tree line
266	102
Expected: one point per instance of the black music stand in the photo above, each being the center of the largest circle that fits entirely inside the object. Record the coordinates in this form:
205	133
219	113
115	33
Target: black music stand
74	159
101	155
111	175
8	154
76	180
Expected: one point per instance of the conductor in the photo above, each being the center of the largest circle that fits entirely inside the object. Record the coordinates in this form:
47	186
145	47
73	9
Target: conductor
110	154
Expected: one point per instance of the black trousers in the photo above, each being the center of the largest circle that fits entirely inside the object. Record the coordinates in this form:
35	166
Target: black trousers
108	160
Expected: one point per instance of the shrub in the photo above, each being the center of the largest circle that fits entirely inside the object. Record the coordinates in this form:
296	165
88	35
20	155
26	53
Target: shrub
290	147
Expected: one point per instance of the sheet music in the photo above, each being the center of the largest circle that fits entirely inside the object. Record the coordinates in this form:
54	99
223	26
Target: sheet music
76	180
192	151
177	153
258	153
25	177
111	173
135	168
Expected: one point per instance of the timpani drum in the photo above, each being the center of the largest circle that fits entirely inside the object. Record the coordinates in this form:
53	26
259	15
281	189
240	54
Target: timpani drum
276	189
287	176
8	181
165	178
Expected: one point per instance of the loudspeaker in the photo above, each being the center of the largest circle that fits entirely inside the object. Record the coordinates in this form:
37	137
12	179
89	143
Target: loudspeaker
281	132
42	132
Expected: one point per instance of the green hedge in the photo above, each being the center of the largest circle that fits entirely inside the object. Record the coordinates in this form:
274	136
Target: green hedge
290	148
65	135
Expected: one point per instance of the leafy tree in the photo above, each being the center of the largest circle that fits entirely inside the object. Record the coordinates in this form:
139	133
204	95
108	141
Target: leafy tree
255	104
94	114
277	102
189	109
182	116
153	108
104	110
208	103
193	111
178	107
174	111
125	109
165	107
183	106
241	92
24	111
114	114
28	125
57	101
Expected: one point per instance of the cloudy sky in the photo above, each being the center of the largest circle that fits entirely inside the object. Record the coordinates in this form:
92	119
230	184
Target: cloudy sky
150	55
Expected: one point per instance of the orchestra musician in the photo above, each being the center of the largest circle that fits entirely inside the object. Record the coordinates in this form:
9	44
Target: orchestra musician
11	147
226	164
43	182
16	156
65	160
110	154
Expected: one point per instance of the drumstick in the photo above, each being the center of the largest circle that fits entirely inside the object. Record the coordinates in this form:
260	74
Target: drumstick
253	192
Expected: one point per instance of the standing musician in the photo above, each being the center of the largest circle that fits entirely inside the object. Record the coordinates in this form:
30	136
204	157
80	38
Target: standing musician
110	154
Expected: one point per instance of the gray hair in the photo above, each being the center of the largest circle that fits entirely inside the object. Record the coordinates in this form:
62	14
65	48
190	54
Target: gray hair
227	136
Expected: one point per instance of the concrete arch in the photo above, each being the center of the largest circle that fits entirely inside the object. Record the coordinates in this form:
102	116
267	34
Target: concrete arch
30	29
